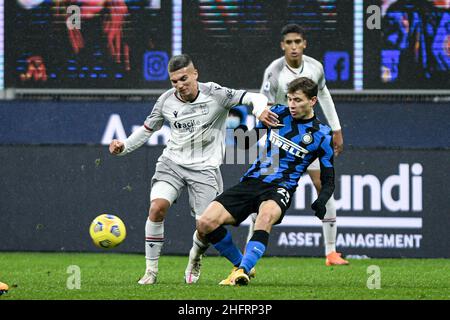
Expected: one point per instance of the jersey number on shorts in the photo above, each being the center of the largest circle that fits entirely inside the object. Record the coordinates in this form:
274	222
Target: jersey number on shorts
286	196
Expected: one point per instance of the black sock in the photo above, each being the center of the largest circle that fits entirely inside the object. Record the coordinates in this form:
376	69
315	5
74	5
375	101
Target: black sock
216	235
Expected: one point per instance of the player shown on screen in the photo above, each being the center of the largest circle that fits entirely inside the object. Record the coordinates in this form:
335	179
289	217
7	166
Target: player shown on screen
415	51
267	187
277	76
113	12
197	113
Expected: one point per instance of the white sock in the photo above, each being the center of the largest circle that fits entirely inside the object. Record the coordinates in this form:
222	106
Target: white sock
329	227
251	227
198	247
154	240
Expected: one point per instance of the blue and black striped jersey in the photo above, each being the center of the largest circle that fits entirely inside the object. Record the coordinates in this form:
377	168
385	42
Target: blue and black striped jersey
291	148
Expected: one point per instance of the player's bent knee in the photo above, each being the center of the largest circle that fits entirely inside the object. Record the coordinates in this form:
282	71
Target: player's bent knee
206	225
267	218
211	218
158	210
268	214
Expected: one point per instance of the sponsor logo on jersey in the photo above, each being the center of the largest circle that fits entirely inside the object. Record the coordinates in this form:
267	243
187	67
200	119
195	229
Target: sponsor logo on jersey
188	126
287	145
175	113
191	125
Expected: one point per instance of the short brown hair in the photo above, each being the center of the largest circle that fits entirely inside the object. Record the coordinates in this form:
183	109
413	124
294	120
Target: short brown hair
306	85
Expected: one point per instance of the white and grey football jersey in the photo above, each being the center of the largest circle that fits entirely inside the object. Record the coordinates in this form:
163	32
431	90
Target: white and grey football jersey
279	74
197	139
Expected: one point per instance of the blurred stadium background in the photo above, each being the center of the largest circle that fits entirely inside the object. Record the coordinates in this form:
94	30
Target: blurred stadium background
64	98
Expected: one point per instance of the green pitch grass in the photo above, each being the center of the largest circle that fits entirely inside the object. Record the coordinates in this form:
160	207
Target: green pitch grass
114	276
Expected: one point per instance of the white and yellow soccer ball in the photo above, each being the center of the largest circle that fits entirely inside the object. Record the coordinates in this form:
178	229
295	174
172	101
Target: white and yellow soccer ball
107	231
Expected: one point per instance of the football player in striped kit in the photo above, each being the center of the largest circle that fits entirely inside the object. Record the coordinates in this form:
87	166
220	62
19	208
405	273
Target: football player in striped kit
267	187
197	114
277	76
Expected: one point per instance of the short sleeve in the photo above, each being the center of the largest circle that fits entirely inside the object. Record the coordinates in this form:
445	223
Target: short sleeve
227	97
155	120
269	86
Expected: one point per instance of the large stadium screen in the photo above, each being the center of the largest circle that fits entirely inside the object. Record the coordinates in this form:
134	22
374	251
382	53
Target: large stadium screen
126	44
234	41
412	48
116	43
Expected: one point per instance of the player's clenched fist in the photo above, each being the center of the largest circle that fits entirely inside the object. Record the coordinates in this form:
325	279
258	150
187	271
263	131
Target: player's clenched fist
116	147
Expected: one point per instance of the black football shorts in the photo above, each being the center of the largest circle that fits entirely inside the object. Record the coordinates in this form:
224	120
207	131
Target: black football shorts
244	198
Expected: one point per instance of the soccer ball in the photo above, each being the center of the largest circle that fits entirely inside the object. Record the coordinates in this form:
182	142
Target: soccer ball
107	231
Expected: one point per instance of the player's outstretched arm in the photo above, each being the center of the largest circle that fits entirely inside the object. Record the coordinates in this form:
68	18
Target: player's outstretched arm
116	147
260	108
140	136
133	142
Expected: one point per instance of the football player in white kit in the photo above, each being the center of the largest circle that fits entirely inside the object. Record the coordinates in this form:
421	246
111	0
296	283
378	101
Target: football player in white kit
197	114
277	76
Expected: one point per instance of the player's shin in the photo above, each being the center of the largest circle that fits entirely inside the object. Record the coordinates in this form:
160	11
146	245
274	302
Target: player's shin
198	247
255	250
251	227
192	271
222	241
154	240
329	227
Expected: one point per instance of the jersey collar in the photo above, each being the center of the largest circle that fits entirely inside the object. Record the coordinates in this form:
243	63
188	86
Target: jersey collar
292	70
305	120
179	98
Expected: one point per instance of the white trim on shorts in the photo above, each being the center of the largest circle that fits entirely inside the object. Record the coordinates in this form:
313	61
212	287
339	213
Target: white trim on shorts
164	190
